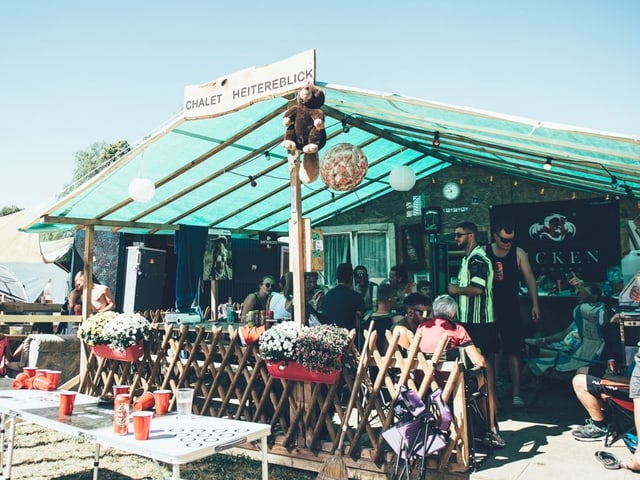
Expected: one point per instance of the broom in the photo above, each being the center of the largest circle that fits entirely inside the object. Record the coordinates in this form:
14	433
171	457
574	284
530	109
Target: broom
334	467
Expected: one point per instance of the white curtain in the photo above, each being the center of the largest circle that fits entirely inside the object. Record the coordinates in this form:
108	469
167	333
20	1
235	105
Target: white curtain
372	253
336	250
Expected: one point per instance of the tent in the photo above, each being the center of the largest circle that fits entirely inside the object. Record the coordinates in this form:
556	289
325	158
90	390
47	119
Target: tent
220	164
10	287
27	262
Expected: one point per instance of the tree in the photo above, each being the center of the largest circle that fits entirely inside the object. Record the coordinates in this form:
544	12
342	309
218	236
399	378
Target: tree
93	160
8	210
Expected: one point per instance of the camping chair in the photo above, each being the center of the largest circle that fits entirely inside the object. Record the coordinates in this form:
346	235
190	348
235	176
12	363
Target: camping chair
476	396
618	408
422	429
580	345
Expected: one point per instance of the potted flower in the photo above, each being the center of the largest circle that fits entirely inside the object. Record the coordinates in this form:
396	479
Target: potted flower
321	348
91	331
308	354
278	343
118	336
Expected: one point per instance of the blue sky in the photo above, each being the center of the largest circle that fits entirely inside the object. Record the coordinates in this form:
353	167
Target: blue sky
74	73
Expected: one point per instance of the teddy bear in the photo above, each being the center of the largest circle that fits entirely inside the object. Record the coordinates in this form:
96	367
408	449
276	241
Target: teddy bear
305	131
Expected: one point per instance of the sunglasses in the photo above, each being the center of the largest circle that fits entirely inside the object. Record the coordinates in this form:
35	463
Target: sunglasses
268	285
504	240
419	311
458	234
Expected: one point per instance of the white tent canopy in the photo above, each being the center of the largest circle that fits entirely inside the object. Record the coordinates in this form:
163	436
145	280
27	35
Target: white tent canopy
26	263
17	246
34	277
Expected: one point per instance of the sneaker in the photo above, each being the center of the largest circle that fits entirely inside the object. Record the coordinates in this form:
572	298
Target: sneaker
589	432
517	402
496	440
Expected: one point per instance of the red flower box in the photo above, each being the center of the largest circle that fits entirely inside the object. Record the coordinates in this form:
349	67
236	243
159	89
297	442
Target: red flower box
294	371
131	354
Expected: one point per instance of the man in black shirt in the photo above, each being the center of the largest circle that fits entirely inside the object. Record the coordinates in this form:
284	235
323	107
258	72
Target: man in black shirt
342	305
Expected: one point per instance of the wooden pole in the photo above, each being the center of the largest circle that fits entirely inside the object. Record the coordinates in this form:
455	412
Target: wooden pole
296	238
87	259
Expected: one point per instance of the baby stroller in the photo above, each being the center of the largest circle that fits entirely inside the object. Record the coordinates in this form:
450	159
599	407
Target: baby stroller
419	431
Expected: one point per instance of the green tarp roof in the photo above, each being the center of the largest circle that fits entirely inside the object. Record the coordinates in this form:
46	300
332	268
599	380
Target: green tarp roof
202	168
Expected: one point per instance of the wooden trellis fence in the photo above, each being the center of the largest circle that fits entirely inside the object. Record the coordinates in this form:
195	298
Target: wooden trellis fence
231	380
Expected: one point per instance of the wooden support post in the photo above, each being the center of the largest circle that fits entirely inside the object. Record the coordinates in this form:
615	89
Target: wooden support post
87	259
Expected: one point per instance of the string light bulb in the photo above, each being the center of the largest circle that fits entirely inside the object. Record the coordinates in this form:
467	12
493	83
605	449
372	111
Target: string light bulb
614	182
267	155
252	182
436	139
547	164
345	126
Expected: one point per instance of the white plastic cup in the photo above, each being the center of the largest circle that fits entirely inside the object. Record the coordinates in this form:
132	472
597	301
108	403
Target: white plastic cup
184	401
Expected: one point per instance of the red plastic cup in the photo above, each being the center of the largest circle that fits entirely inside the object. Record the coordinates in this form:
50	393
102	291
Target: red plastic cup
67	399
42	383
41	372
120	390
144	402
53	376
141	424
162	398
31	371
19	381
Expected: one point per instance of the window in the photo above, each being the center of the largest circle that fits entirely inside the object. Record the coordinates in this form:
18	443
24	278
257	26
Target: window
370	245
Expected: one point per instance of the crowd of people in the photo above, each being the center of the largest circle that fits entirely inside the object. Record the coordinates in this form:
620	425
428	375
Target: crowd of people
480	313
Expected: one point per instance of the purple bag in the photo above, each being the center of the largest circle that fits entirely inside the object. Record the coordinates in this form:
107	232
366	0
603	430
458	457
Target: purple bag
418	432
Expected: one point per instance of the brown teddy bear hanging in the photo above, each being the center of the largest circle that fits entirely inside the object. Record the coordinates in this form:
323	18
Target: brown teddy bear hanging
305	130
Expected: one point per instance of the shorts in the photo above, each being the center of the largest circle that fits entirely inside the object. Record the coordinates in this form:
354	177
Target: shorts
484	336
595	387
511	329
634	383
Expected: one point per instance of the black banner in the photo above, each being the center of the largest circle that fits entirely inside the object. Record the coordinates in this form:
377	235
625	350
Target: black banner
581	236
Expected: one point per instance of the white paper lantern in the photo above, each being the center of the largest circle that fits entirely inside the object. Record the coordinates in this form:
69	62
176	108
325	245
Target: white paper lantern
343	167
402	178
142	189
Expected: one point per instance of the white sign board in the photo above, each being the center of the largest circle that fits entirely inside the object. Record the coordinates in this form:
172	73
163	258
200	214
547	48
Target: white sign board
246	87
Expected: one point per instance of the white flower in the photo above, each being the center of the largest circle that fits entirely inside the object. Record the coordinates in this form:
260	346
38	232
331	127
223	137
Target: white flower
279	342
125	330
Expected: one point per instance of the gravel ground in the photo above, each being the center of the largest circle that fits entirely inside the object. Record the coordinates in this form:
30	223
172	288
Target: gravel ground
41	454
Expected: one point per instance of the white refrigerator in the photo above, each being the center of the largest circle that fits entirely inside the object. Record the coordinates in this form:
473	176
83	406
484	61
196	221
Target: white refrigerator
144	279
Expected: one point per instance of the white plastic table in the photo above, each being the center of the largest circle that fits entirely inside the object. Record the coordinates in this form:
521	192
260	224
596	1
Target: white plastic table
173	440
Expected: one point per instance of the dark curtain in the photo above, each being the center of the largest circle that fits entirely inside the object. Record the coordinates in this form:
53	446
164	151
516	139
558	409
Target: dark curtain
190	243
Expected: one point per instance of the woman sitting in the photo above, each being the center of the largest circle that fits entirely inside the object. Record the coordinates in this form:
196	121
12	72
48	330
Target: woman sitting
258	300
281	303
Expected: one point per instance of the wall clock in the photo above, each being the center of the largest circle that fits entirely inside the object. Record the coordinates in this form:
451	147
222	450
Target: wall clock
451	190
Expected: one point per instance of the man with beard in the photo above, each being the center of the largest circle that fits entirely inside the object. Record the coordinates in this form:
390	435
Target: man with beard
515	265
475	302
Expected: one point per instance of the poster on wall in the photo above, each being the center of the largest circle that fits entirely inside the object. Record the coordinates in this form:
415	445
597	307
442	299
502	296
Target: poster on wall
217	258
580	236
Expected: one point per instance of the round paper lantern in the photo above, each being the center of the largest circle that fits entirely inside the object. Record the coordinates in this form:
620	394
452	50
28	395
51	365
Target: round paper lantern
343	167
142	189
402	178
